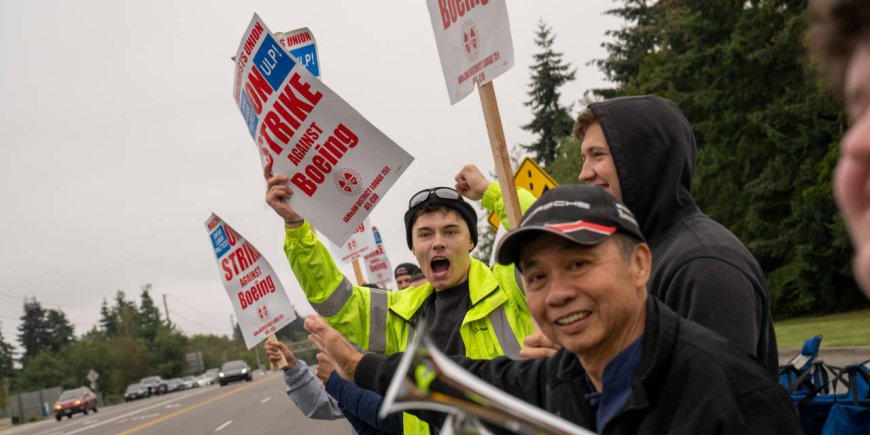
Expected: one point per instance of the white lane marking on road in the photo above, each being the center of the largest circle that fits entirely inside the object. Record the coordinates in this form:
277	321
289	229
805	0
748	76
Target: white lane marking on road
218	429
266	399
174	405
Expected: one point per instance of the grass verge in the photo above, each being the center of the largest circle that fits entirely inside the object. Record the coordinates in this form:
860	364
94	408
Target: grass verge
837	330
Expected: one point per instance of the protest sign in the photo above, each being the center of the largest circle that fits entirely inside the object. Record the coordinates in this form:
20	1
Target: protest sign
301	45
339	165
378	268
258	299
474	42
361	242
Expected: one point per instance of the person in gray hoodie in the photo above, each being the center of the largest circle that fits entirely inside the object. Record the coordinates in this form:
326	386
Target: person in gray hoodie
642	150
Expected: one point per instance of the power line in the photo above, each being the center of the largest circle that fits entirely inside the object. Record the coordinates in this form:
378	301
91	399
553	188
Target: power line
210	327
48	303
175	298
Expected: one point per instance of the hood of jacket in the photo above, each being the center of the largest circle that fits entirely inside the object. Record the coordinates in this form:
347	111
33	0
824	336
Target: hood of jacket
654	151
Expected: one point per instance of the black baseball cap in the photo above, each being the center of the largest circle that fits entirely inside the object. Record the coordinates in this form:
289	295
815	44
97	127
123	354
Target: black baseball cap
406	269
583	214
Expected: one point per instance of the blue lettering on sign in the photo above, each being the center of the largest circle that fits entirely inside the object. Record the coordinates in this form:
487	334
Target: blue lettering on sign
220	242
249	115
307	56
273	62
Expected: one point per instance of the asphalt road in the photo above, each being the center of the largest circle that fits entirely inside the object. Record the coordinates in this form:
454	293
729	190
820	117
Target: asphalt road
257	407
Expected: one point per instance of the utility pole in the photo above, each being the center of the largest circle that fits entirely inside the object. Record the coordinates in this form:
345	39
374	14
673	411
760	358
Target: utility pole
166	308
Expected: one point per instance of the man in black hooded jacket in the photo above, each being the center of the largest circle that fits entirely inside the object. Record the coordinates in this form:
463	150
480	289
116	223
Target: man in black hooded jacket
642	150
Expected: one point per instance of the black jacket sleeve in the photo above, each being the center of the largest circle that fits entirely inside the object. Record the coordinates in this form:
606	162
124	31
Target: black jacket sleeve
524	379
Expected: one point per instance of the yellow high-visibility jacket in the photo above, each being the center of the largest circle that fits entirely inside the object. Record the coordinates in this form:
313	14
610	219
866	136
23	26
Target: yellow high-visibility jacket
383	321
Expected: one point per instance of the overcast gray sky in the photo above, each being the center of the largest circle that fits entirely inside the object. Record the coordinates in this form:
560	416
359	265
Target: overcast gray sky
119	136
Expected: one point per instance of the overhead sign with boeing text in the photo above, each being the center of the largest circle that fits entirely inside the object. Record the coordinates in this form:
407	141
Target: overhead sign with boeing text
339	165
474	42
258	299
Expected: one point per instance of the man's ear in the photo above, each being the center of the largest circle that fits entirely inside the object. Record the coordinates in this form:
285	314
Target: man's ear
642	261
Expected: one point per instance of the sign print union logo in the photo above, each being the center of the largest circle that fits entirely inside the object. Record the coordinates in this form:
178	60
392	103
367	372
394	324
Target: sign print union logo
348	181
470	39
263	312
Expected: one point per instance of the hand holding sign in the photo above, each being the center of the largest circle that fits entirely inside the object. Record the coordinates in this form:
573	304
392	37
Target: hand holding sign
279	354
339	164
278	197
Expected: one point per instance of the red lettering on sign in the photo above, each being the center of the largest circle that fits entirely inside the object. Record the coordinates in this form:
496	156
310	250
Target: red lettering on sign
452	10
257	291
315	173
257	89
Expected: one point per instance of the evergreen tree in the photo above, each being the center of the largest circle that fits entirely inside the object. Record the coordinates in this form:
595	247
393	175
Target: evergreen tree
551	122
108	320
767	134
7	367
60	331
7	358
631	45
149	315
126	315
237	333
33	332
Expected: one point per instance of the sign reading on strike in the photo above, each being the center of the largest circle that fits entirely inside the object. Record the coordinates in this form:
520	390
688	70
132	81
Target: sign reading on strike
378	268
258	299
360	242
300	43
339	165
474	42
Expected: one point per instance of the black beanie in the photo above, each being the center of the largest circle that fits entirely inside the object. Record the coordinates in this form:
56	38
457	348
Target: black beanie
465	210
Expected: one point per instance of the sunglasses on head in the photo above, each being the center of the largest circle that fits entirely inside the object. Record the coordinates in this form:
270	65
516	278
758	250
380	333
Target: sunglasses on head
424	195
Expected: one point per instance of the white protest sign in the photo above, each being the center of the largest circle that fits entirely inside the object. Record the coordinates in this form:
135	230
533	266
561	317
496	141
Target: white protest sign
258	299
339	164
301	45
378	268
360	242
474	42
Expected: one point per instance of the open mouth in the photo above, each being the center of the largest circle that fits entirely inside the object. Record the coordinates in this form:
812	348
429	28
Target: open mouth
572	318
439	266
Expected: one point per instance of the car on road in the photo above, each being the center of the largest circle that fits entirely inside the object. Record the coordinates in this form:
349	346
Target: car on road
204	380
154	384
189	382
234	371
70	402
173	385
212	374
135	391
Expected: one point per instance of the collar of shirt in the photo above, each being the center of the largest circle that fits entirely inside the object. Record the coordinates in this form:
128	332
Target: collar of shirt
615	384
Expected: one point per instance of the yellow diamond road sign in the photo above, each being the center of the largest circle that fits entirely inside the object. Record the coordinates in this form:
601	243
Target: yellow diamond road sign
531	177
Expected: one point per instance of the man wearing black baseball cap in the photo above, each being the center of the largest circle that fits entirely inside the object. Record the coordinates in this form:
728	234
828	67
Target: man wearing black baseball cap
628	364
474	310
404	273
